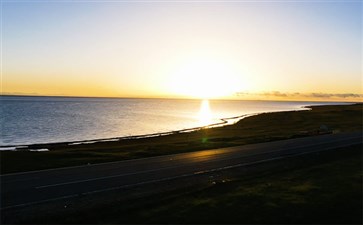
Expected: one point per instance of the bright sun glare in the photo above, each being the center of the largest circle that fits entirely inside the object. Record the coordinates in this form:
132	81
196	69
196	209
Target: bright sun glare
205	114
205	79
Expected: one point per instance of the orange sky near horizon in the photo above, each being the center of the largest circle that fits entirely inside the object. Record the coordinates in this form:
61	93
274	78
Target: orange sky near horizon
182	49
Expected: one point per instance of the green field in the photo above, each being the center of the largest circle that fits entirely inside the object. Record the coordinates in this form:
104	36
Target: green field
255	129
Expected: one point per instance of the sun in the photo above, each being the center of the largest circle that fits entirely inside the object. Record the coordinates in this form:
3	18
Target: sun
205	79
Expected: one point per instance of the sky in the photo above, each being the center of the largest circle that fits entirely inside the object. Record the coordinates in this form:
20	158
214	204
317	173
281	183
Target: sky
303	50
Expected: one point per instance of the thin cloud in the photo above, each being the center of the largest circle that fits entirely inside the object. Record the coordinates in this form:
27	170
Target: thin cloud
300	95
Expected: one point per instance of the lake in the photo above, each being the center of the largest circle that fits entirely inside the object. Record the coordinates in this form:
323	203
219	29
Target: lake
29	120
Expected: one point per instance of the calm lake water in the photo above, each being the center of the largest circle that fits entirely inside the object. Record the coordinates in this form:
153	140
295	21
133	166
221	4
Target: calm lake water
29	120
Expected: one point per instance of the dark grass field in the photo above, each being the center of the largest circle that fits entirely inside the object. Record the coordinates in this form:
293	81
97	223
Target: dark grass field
317	188
325	188
311	189
255	129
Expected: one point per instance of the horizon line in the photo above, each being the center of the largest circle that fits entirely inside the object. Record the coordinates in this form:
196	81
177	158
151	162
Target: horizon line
177	98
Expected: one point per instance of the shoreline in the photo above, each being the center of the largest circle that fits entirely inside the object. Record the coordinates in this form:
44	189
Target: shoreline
261	128
20	143
224	122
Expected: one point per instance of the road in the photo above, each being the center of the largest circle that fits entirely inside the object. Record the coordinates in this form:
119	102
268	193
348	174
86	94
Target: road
30	188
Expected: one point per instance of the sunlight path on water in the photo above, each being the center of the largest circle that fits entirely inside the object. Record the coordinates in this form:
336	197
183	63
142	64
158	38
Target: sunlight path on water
205	113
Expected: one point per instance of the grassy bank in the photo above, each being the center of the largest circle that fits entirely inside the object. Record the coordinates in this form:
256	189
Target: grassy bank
326	189
318	188
261	128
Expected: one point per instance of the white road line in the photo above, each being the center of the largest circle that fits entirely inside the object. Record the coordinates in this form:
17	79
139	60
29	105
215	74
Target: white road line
171	167
161	156
176	177
39	202
133	185
106	177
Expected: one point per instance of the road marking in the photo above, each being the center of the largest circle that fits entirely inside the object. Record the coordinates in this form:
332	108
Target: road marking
39	202
185	164
178	176
102	178
178	154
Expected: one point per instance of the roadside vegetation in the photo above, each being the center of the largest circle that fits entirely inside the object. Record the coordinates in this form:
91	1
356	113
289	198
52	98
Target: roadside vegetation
255	129
325	188
317	188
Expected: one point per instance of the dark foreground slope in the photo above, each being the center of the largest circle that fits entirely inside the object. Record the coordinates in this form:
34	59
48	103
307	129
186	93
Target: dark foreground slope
317	188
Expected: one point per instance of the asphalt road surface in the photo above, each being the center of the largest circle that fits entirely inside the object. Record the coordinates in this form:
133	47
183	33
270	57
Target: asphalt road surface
30	188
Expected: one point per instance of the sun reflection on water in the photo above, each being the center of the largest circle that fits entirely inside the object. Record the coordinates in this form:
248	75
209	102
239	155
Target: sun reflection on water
205	114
